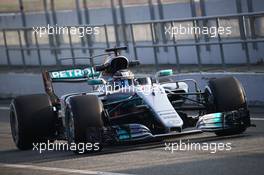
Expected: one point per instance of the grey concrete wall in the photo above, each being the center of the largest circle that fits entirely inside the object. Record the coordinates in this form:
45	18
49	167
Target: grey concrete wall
13	84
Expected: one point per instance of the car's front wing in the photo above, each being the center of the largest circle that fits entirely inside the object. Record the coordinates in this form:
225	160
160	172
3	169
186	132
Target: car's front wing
206	123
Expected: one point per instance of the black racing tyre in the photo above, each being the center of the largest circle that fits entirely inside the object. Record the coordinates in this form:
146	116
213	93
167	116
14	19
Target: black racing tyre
84	121
32	119
228	95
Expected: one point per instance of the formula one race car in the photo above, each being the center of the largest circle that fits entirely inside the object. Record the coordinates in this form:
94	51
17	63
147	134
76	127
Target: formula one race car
123	108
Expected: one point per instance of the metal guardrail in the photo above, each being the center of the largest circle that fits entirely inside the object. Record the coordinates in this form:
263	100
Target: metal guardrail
243	40
129	37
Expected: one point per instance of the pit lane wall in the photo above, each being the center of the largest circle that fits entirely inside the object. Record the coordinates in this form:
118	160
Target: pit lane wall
13	84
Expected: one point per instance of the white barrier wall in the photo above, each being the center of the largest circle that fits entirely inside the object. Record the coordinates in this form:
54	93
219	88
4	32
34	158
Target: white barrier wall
13	84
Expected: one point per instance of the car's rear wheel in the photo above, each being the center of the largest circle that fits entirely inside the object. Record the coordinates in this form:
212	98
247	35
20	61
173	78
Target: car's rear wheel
227	95
32	119
84	122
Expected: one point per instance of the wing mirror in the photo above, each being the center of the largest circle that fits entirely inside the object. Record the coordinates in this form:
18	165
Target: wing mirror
163	73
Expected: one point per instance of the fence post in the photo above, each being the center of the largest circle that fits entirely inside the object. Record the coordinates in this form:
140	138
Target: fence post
38	50
196	38
24	23
161	15
123	22
106	36
72	49
205	23
55	21
176	51
241	22
6	49
57	39
152	28
133	42
79	18
87	21
115	22
47	16
21	49
252	24
152	17
220	46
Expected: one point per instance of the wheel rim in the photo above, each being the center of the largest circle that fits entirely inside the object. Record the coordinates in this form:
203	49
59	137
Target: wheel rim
14	125
71	128
210	100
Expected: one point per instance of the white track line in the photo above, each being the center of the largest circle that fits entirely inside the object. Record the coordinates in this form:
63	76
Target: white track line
65	170
4	107
257	119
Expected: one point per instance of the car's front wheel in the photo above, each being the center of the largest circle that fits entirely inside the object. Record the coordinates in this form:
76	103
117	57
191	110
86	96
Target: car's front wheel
227	94
84	122
32	119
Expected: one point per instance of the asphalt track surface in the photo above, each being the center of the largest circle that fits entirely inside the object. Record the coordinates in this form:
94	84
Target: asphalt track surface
245	157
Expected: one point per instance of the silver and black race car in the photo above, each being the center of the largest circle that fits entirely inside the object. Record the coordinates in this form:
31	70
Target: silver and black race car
123	108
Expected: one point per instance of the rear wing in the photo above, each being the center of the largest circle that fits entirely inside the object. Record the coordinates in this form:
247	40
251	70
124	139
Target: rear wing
68	75
73	75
